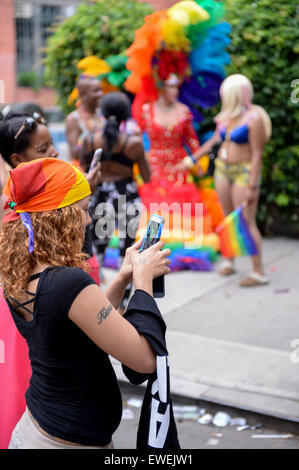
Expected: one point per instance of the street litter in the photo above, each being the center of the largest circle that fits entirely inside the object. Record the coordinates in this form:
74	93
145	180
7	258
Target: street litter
127	414
221	419
185	412
242	428
187	415
188	412
185	408
135	402
281	291
212	442
217	434
205	419
237	422
272	436
258	427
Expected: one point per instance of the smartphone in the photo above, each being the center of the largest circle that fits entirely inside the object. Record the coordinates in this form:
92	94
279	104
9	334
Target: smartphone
95	159
152	236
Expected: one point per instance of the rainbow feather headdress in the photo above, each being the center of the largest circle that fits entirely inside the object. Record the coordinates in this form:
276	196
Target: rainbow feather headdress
188	40
235	237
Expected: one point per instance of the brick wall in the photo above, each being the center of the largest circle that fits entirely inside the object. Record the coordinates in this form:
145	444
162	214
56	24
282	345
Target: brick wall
7	52
45	97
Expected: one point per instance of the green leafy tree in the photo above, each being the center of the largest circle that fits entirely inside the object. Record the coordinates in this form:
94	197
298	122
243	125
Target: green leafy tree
265	47
102	28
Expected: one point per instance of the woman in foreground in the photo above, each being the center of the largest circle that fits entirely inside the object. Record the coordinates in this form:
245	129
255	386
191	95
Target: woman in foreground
70	325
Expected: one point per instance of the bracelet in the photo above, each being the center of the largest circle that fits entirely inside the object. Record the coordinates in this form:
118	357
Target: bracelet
189	162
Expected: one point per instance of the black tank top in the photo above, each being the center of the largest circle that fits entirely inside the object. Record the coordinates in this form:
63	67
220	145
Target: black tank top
118	157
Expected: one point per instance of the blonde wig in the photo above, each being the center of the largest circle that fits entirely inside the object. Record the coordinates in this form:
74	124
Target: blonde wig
236	94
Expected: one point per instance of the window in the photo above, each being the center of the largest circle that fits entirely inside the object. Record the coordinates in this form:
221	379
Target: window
33	21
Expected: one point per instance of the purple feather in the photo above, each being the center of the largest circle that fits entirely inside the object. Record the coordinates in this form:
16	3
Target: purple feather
201	90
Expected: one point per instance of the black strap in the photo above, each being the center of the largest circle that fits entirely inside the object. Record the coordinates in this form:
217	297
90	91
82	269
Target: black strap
23	304
34	276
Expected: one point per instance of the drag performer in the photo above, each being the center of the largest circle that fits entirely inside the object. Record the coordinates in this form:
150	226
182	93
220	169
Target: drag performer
169	126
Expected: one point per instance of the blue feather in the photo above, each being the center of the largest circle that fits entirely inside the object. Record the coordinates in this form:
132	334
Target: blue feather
210	55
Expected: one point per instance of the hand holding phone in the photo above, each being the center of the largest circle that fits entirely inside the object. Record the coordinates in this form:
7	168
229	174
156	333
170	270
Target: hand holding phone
153	231
95	159
152	236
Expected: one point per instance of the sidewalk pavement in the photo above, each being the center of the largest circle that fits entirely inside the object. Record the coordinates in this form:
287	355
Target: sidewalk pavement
233	345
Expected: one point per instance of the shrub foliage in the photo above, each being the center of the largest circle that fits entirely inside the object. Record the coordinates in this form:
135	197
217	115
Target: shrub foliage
265	47
102	28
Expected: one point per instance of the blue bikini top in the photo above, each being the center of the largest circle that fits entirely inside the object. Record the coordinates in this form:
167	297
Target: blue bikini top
239	134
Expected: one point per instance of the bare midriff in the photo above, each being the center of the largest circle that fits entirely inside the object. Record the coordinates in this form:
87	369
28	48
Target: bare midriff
236	153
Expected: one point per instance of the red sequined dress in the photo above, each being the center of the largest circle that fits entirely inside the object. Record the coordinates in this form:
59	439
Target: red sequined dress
167	149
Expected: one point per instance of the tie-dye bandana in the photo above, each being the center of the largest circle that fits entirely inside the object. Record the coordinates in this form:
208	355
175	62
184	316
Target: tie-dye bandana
42	185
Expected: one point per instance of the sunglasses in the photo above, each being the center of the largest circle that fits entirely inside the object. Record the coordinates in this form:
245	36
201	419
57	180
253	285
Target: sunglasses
30	124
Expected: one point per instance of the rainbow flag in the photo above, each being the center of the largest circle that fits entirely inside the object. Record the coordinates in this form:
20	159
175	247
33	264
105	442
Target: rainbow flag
235	237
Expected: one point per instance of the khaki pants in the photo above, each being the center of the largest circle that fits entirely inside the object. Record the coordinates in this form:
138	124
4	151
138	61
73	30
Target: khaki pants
27	436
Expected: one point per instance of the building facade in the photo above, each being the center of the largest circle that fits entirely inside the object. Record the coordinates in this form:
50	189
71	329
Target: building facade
24	29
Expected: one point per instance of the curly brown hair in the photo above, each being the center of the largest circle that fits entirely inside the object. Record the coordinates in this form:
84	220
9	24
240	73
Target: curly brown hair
58	241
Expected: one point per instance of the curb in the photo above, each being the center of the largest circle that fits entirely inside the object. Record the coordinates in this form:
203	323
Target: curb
275	421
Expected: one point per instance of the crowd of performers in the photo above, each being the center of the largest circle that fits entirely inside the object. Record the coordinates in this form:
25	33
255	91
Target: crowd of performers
153	152
176	72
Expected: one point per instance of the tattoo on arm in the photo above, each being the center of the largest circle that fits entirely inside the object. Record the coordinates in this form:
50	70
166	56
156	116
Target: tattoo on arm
103	313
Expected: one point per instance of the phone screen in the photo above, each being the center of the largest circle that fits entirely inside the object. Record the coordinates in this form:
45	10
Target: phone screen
152	236
153	231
